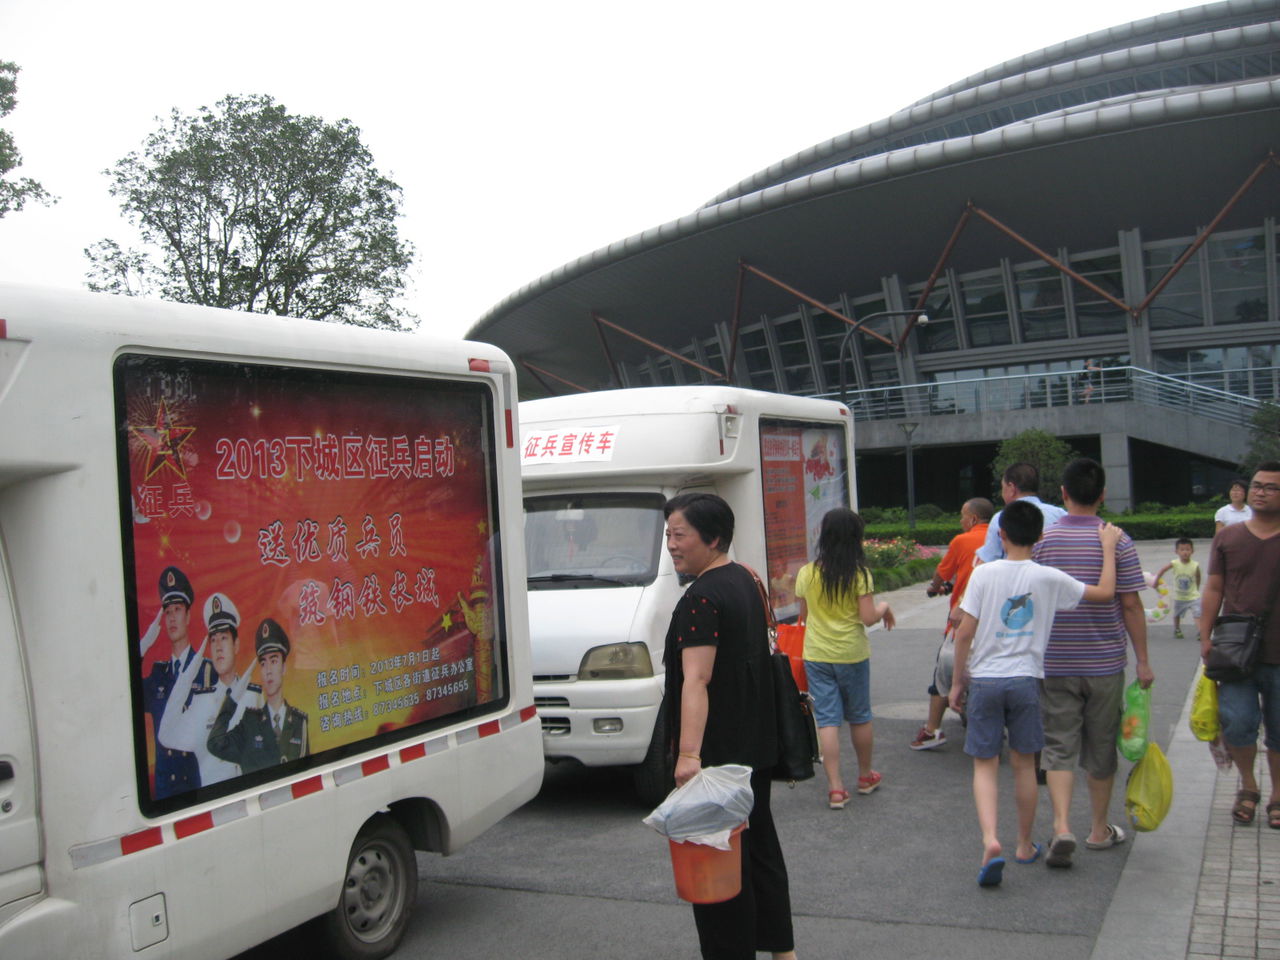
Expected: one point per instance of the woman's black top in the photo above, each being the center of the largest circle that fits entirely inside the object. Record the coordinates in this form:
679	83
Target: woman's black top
722	608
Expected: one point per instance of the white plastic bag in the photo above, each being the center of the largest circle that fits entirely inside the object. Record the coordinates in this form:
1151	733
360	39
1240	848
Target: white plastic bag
707	808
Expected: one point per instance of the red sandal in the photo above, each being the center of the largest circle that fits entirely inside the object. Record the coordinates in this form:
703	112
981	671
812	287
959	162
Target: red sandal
869	783
836	799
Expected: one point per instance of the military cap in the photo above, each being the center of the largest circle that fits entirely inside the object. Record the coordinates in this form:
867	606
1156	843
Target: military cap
221	614
175	587
271	638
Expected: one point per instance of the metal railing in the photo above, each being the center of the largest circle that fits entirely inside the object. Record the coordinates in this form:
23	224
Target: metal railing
1067	388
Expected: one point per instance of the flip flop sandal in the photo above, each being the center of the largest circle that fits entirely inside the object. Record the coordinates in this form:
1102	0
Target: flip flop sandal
1037	849
1242	814
1273	815
1061	848
1115	835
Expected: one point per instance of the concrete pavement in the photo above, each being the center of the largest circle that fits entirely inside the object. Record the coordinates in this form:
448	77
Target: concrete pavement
575	875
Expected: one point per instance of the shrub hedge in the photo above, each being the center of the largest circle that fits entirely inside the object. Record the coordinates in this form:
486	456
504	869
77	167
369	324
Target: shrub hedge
913	571
1140	526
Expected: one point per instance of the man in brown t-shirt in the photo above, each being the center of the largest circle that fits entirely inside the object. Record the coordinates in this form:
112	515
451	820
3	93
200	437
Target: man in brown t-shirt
1244	566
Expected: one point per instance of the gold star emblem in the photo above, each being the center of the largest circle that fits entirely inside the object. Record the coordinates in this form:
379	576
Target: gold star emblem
164	440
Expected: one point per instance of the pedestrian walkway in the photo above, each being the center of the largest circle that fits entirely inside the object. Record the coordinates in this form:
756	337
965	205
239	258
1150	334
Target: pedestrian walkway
1200	886
1237	911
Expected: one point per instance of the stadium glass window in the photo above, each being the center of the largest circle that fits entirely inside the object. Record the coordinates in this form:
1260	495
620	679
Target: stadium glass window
1041	304
1237	278
1121	86
1229	69
829	333
755	354
1174	76
1024	110
1147	81
986	309
1201	73
1095	315
1073	97
793	351
940	332
1096	91
1180	303
1258	65
979	123
882	325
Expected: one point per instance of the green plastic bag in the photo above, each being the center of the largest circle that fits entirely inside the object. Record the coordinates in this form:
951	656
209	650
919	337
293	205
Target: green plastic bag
1149	792
1204	709
1132	738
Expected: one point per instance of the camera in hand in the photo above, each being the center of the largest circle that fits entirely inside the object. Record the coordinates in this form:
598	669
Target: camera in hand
943	590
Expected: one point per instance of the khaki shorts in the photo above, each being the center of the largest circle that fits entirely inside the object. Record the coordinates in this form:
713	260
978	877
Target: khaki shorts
1081	722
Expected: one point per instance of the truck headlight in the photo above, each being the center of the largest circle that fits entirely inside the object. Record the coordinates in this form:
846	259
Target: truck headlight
616	661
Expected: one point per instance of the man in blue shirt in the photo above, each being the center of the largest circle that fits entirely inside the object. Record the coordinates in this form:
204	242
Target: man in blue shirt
1021	481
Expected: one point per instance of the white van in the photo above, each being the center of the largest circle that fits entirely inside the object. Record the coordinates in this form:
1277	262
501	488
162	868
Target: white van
597	469
262	625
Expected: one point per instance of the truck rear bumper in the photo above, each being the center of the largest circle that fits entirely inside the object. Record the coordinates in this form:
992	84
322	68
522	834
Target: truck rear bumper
598	723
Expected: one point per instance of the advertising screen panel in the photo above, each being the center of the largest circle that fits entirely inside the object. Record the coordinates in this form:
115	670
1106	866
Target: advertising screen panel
804	472
310	564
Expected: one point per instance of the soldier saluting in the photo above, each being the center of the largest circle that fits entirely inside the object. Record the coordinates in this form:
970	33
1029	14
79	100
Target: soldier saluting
177	771
264	736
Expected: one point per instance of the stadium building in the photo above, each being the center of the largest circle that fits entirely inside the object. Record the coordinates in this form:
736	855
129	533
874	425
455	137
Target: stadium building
1082	240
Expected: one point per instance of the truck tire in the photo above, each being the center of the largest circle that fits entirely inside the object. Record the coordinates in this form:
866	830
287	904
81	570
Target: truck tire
377	895
652	778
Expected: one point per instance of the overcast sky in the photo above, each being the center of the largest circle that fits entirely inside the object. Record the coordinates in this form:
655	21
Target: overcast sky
524	135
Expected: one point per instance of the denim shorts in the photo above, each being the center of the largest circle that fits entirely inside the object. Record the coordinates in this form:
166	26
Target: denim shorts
1244	704
841	691
996	704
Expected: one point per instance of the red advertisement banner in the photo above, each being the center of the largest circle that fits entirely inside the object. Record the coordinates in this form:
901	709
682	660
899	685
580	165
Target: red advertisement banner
316	550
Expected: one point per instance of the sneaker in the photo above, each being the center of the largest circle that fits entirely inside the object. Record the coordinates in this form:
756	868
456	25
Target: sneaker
1177	633
928	741
869	783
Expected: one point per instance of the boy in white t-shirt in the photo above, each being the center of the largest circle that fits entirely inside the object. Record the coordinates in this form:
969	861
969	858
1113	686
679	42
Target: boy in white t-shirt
1006	615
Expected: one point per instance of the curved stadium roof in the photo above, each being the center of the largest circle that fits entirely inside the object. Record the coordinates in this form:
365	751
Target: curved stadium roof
1152	124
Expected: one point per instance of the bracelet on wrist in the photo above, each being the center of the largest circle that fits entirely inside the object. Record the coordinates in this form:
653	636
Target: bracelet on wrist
691	756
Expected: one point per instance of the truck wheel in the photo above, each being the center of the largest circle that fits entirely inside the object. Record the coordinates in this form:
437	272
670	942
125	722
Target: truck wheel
377	895
652	778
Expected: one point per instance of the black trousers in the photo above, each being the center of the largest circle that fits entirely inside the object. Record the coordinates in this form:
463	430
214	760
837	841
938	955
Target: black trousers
758	918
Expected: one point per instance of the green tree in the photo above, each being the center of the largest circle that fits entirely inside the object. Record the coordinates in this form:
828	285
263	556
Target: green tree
1264	441
249	207
1041	449
14	194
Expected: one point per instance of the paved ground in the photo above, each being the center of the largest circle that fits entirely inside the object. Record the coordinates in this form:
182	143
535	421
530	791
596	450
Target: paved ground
575	875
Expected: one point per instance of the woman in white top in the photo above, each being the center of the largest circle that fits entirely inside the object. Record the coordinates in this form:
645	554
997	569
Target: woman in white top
1237	511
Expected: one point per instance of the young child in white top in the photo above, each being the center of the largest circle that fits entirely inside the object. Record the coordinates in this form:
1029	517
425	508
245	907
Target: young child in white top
1004	628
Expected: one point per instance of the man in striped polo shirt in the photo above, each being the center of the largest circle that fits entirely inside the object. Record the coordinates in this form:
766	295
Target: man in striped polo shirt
1084	663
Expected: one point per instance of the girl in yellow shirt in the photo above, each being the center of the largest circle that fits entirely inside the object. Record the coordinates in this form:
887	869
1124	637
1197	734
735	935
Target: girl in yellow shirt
837	605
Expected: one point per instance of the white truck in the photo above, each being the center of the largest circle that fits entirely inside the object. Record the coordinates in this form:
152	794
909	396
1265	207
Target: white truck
597	469
258	642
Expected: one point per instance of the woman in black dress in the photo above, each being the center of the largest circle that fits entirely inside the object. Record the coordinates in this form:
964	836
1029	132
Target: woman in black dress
719	709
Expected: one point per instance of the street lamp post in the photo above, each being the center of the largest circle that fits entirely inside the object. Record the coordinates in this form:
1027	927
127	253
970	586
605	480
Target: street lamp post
909	427
848	338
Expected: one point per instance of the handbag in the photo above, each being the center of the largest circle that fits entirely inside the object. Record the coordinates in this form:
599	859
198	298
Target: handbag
791	642
1234	643
793	710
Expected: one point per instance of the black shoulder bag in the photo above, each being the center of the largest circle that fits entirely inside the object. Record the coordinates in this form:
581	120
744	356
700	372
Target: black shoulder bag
1235	642
793	710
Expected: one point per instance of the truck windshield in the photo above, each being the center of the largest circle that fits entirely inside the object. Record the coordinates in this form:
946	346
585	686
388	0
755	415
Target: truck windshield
592	539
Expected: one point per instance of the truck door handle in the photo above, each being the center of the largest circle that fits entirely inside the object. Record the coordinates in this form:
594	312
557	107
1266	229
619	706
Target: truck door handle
6	770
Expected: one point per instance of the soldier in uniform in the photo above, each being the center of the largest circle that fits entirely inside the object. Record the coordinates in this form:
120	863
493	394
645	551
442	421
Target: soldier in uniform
187	727
265	736
176	771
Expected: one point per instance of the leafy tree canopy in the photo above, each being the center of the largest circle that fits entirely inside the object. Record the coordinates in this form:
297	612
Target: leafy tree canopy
1264	442
249	207
15	193
1041	449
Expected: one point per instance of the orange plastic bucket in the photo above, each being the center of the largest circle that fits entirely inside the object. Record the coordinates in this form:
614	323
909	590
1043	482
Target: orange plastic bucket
705	874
